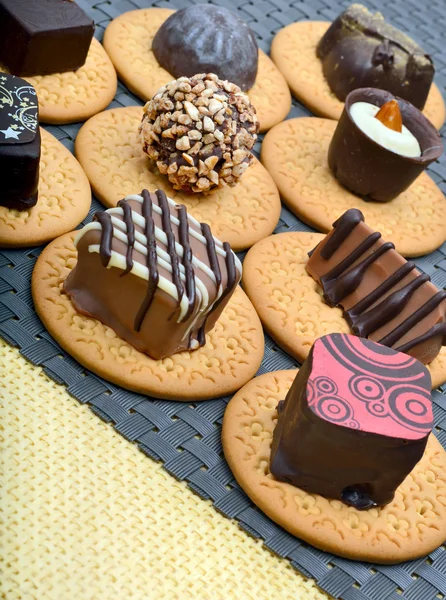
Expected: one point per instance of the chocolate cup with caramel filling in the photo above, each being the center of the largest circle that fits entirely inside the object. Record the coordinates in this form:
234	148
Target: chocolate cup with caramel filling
367	168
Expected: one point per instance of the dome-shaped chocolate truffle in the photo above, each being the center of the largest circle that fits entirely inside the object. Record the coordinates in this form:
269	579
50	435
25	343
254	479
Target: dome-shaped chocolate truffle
207	39
200	132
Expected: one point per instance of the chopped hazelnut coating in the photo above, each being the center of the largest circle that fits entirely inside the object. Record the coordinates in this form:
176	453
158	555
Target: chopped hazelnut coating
200	131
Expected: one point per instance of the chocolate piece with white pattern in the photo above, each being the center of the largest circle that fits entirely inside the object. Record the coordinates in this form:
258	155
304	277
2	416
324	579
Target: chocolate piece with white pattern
152	273
19	143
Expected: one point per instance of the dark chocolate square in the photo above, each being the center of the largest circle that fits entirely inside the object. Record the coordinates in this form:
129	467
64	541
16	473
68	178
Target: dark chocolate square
48	36
354	406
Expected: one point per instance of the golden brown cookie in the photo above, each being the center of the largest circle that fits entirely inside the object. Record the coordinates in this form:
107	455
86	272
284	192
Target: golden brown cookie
76	95
294	52
295	153
109	148
64	200
411	526
231	356
289	302
128	41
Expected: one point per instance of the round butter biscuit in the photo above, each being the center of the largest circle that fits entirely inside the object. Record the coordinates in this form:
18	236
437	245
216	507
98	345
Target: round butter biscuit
109	148
295	153
76	95
231	356
409	527
64	200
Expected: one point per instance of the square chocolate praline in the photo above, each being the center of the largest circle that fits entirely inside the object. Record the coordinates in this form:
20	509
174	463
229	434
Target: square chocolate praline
354	423
39	38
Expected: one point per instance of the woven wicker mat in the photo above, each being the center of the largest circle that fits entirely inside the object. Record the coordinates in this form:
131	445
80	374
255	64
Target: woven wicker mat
88	517
136	523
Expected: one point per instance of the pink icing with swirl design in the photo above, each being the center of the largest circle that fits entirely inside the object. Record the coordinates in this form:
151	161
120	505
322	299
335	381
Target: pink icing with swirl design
360	384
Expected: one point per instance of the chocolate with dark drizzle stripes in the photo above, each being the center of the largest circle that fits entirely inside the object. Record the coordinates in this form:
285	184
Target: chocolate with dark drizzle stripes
152	261
348	281
171	249
215	267
388	309
105	248
342	229
438	329
231	272
331	278
378	292
230	284
212	253
130	230
342	281
391	338
183	235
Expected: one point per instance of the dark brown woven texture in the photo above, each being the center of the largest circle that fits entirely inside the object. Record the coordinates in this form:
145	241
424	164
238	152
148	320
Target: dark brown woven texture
187	438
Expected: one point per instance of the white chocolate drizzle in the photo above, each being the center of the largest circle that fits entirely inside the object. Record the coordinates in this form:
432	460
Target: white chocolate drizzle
174	271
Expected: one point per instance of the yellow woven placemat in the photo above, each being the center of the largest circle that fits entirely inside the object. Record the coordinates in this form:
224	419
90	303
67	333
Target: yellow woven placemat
84	515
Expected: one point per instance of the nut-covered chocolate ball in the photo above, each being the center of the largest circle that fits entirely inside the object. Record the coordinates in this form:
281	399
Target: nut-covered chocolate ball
200	132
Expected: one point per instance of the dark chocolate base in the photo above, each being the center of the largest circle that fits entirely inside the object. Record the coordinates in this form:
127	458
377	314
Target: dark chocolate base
19	204
19	172
40	37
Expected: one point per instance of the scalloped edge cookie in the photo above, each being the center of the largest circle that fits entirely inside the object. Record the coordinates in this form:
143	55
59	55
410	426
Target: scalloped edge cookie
109	149
64	200
293	50
290	303
128	41
231	356
405	529
68	98
295	153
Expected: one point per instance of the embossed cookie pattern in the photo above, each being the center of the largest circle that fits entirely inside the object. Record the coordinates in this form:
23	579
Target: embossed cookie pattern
290	303
294	52
109	148
128	41
76	95
411	526
295	153
231	356
64	200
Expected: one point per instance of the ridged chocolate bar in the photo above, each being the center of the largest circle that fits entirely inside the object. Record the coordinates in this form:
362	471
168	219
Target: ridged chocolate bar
384	297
